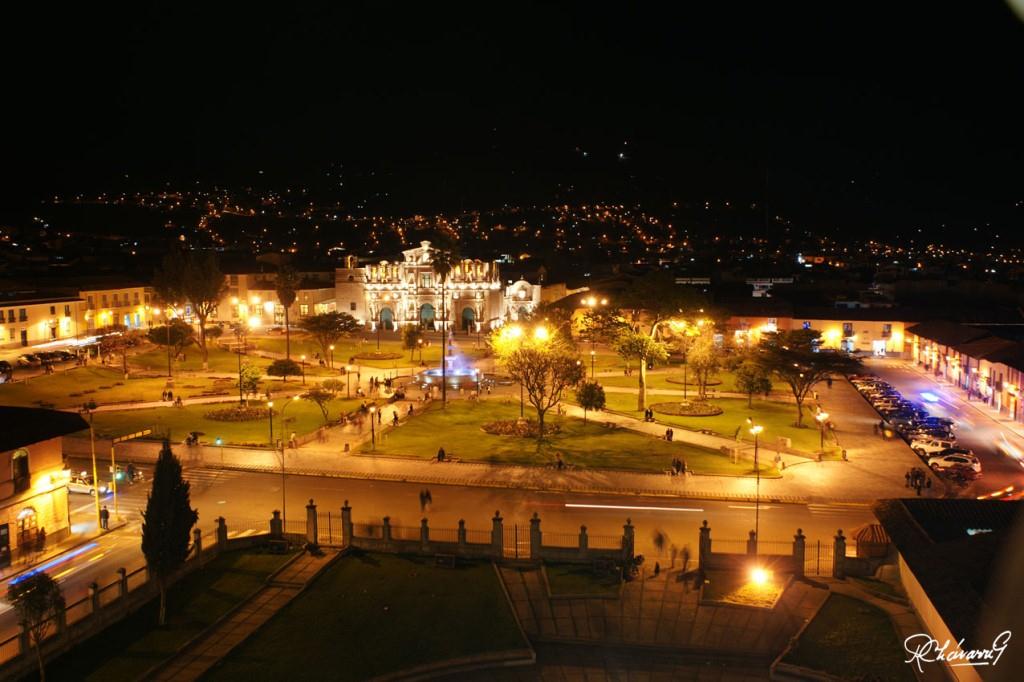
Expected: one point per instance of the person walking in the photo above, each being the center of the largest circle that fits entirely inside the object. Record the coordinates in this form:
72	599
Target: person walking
828	382
293	441
906	476
104	518
423	500
380	417
440	454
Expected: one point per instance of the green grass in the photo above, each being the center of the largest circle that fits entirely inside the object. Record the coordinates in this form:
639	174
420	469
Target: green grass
880	586
777	418
660	380
458	429
130	647
576	579
220	360
730	587
851	637
366	343
301	416
372	614
103	385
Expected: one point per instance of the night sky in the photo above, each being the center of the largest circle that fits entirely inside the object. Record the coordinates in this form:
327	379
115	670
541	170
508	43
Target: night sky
865	120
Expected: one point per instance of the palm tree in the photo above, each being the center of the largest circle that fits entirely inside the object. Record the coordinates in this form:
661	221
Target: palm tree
287	283
442	261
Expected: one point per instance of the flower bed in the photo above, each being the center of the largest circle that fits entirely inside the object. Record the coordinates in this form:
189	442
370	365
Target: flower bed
382	355
691	381
524	428
237	414
688	408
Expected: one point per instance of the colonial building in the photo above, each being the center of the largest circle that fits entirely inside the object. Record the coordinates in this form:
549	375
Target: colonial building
409	292
33	485
251	298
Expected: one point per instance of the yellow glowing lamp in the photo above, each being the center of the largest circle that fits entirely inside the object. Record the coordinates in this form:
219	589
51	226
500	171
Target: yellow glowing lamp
760	576
541	333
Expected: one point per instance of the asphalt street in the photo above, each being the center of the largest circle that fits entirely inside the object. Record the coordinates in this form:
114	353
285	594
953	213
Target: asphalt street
247	499
974	429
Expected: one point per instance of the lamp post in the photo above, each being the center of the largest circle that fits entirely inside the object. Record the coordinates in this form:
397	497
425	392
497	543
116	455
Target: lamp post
240	338
593	358
348	381
87	410
303	359
331	347
373	429
167	327
822	417
419	345
280	452
270	416
755	430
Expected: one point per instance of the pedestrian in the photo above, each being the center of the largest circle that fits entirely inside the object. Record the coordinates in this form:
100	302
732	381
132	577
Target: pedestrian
380	416
131	472
423	501
440	454
394	417
907	477
671	434
666	434
170	395
558	461
410	409
828	382
682	466
657	569
918	488
293	441
163	396
104	518
928	483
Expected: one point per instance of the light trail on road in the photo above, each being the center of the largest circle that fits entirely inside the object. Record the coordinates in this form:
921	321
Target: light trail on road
570	505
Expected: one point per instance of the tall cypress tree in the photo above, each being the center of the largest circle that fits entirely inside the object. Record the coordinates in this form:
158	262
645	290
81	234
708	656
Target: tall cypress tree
167	523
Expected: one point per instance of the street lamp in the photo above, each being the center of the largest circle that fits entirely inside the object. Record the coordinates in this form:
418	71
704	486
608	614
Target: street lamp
822	417
270	416
240	338
755	430
280	451
87	410
593	358
419	344
373	431
332	355
303	359
348	381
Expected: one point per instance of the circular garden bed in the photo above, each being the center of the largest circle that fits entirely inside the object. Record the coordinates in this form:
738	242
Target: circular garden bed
524	428
690	382
688	408
382	355
237	414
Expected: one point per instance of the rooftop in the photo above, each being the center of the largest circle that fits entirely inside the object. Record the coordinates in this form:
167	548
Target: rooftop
29	425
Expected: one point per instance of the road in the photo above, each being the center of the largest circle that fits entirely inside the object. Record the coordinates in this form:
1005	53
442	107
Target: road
974	429
247	499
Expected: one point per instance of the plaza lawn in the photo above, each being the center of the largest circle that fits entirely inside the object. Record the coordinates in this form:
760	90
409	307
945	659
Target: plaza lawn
660	380
730	587
458	429
365	343
575	579
104	385
130	647
373	614
849	636
221	360
301	416
777	418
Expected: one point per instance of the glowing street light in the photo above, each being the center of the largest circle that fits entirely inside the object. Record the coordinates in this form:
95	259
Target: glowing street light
303	359
822	418
755	431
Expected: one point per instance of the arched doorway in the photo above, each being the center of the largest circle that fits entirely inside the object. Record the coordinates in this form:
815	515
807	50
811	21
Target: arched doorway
27	526
468	318
20	471
523	313
387	319
427	315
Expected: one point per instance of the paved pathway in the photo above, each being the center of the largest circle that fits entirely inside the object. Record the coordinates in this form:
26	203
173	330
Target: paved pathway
217	642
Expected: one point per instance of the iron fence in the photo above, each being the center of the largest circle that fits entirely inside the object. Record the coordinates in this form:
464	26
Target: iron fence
137	578
405	532
444	534
479	537
560	539
368	530
9	648
78	610
604	541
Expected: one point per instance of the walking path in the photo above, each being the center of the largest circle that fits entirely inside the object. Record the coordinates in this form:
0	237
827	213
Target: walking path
197	657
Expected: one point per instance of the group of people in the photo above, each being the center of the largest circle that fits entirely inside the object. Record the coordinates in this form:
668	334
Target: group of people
648	415
168	397
426	499
678	466
917	479
669	434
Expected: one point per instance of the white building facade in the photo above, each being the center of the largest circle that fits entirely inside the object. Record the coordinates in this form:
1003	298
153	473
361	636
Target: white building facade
409	292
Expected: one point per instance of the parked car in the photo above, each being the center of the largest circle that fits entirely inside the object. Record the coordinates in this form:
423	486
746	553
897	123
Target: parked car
931	446
82	483
955	461
29	360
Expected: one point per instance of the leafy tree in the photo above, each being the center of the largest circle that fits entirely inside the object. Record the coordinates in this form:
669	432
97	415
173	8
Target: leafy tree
602	325
167	523
196	278
557	318
655	297
792	356
631	345
590	396
442	261
333	385
37	599
322	397
705	358
328	328
287	291
545	368
411	337
178	334
214	331
284	369
751	378
250	377
118	339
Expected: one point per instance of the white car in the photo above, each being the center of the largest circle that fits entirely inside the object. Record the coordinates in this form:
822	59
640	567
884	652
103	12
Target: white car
931	446
83	484
955	460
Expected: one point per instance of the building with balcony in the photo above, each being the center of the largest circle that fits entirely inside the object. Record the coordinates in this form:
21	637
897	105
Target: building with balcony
29	317
251	298
33	484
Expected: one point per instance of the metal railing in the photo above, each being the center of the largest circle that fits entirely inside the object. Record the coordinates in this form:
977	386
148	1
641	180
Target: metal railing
444	534
405	532
604	541
560	539
480	537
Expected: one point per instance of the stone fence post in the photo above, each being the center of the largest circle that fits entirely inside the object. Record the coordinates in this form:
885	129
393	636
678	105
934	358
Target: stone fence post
704	545
799	552
387	529
94	597
628	540
584	540
122	582
197	541
497	535
311	523
462	532
535	538
276	526
222	534
752	544
346	525
424	535
839	556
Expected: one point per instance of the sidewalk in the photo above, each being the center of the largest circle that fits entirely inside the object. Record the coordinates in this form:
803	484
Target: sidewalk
198	656
72	542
